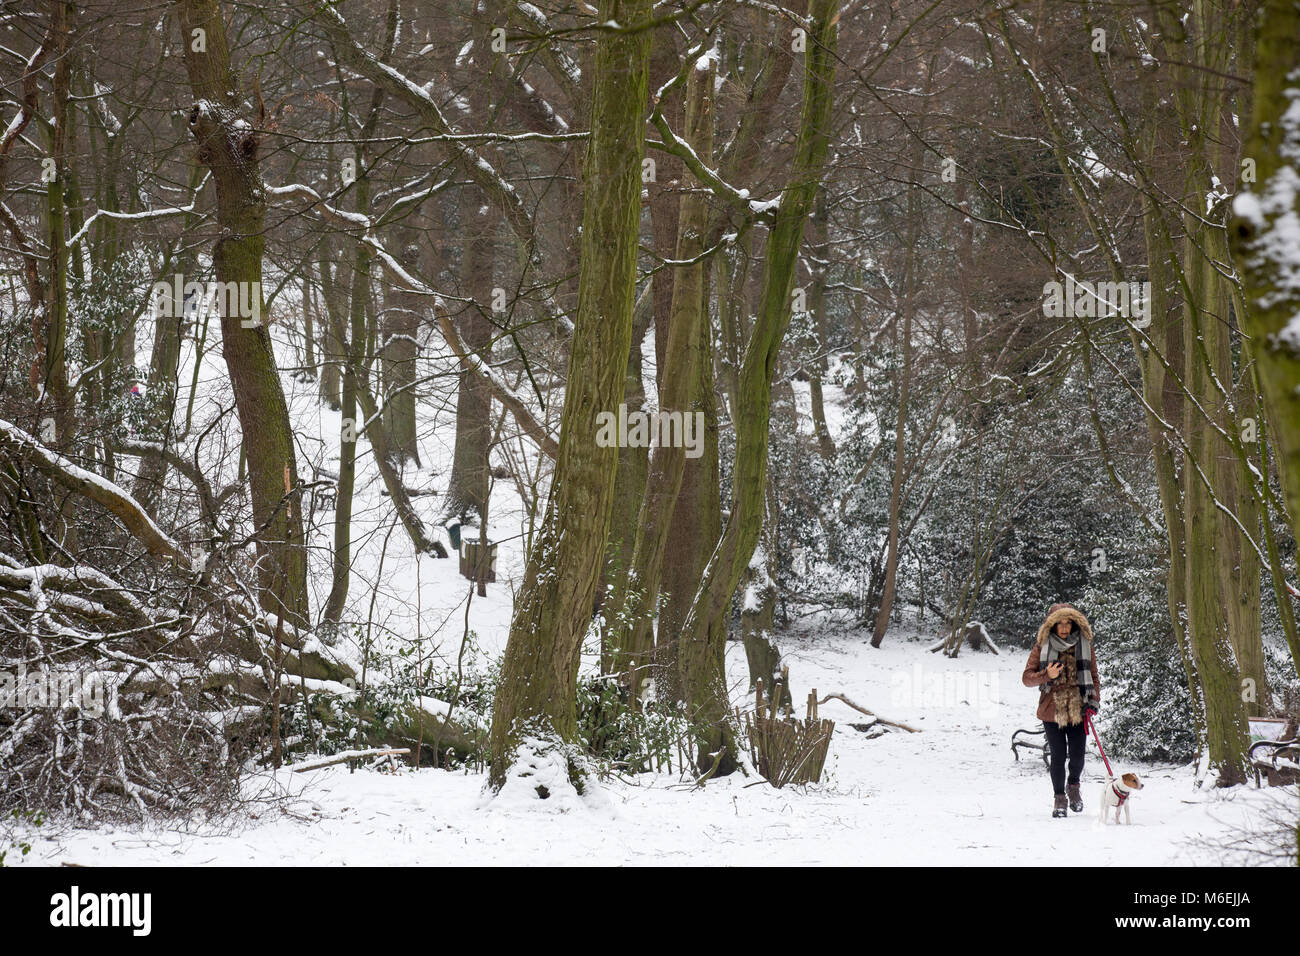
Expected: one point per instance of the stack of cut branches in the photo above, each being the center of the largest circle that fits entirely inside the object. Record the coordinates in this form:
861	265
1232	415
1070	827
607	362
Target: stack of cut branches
786	750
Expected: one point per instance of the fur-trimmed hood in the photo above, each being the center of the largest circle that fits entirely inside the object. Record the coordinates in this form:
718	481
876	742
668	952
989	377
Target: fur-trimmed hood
1063	612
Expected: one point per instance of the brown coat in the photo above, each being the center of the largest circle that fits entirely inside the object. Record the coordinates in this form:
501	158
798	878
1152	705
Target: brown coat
1036	676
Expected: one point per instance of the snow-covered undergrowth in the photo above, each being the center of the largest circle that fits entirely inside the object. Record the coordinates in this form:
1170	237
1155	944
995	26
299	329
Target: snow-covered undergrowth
549	776
949	795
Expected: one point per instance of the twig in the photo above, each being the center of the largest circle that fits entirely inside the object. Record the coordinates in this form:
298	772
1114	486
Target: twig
717	759
861	709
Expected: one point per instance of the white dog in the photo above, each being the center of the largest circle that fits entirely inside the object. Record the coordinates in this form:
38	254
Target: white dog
1115	794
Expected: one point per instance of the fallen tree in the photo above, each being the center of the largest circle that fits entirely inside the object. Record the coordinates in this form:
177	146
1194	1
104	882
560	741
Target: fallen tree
138	671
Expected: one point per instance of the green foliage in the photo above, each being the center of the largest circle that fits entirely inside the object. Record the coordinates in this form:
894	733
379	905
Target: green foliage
1147	711
622	738
329	724
15	830
104	310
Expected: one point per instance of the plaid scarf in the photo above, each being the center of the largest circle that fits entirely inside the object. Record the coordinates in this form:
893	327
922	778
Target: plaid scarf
1074	687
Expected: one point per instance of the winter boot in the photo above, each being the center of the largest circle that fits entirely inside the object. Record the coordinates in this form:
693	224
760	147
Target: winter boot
1076	798
1058	810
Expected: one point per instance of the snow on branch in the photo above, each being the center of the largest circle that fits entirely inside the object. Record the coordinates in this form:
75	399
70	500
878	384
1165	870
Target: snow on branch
397	84
710	178
348	755
563	70
146	214
502	389
109	494
862	710
29	100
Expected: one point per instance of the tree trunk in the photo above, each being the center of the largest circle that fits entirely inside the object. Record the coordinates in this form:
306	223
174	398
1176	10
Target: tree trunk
355	367
228	145
629	490
639	592
705	690
538	687
1265	260
399	350
1213	543
467	486
50	373
164	366
817	305
900	436
666	198
331	350
758	610
697	523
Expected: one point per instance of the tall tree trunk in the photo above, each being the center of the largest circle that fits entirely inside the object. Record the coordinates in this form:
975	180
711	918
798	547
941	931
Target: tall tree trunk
758	609
50	375
355	367
538	687
1244	620
1164	398
467	486
702	663
1213	543
629	490
697	522
638	594
164	367
1260	246
399	349
900	431
817	305
666	197
56	400
228	145
1267	263
900	476
694	673
331	350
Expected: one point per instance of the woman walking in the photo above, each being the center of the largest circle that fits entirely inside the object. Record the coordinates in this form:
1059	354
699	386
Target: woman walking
1063	667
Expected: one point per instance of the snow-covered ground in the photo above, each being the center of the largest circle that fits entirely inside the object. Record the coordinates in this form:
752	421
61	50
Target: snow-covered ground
950	795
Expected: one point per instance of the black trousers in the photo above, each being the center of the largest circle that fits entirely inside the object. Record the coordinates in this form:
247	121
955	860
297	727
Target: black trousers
1058	739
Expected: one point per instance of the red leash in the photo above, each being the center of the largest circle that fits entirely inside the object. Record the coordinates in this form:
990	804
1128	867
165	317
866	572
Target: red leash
1087	719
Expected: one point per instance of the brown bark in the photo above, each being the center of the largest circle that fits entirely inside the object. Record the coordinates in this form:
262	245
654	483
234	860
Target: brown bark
635	606
538	687
228	145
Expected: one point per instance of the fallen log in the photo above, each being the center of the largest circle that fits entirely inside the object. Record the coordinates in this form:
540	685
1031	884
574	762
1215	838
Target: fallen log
347	755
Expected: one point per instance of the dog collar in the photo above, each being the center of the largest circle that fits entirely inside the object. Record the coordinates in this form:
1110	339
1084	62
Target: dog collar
1119	793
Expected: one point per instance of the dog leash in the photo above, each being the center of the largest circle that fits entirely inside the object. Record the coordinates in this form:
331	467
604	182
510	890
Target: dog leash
1087	719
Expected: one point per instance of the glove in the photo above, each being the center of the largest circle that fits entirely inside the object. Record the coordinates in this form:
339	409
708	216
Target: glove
1090	708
